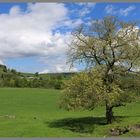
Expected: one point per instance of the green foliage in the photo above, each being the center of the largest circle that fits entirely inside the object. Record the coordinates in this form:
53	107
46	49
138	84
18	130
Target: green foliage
86	90
79	93
36	74
58	84
13	71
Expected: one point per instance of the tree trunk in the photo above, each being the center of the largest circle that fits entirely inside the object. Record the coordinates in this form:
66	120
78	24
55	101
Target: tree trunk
109	78
109	114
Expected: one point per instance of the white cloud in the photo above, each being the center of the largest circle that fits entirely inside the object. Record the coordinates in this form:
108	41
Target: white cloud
1	62
86	8
126	11
89	4
44	71
110	9
84	12
73	23
15	10
30	33
59	68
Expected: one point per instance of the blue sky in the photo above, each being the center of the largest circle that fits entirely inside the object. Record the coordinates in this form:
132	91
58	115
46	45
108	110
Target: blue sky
34	36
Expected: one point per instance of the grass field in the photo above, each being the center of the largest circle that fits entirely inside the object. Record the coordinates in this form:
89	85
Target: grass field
35	113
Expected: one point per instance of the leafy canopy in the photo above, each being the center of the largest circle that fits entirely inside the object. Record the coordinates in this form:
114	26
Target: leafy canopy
112	48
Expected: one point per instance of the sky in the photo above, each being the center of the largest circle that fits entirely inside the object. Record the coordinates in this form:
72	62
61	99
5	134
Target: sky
34	36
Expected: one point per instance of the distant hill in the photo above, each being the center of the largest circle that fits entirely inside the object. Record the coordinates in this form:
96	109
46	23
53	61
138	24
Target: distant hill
12	78
5	70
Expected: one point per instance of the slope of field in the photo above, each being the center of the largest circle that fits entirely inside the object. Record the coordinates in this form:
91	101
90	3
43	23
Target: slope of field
35	113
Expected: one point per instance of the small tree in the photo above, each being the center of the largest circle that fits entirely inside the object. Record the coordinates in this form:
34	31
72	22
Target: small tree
113	47
36	74
13	71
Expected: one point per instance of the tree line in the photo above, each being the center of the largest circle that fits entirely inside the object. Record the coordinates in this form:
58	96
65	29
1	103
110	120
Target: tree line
12	78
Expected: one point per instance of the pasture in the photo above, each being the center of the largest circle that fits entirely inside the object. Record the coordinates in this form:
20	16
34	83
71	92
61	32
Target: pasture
30	112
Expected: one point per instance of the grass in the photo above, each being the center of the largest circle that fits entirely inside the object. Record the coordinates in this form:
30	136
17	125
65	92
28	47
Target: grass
35	113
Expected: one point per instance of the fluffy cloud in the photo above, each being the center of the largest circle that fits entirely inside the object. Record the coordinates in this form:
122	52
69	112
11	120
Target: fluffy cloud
126	11
86	8
59	68
88	4
110	9
1	62
31	33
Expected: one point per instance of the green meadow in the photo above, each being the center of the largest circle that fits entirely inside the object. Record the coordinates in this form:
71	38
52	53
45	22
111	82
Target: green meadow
30	112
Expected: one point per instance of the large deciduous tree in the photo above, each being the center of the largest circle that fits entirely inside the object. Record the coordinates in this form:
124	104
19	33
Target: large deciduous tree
109	47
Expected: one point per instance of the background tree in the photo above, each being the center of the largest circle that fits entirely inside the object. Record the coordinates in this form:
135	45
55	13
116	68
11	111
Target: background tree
113	47
36	74
13	71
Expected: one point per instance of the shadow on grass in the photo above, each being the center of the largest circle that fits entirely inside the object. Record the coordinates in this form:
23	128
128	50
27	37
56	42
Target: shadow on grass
81	125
